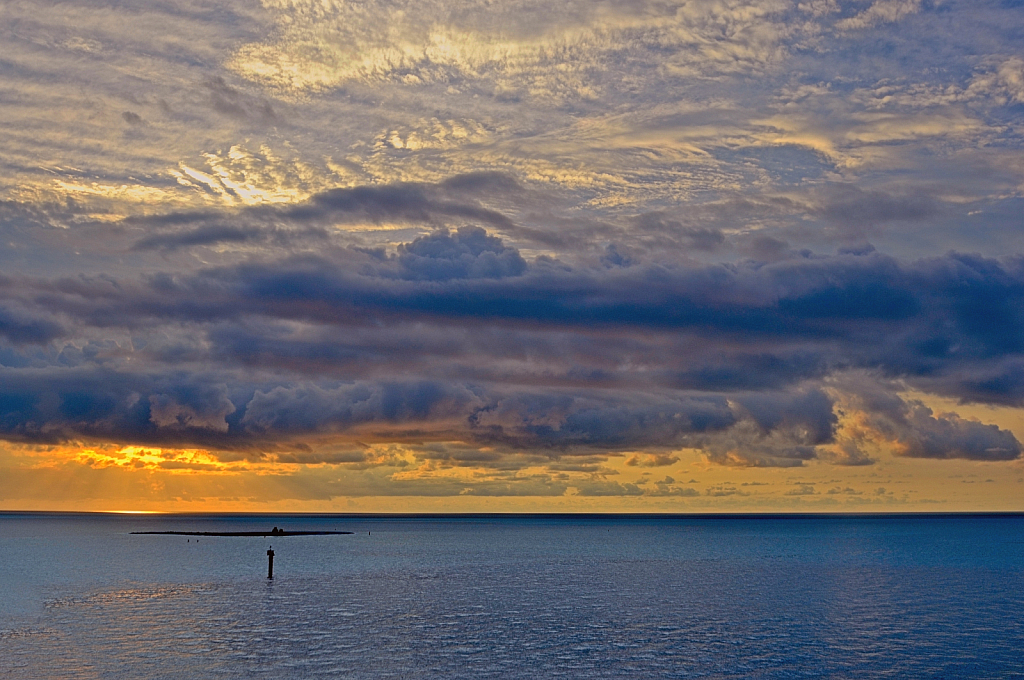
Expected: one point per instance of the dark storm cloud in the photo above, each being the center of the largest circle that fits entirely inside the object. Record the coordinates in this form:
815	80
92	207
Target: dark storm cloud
794	319
19	328
309	409
512	420
919	317
1003	383
455	336
59	404
56	405
597	421
803	299
764	370
808	412
914	317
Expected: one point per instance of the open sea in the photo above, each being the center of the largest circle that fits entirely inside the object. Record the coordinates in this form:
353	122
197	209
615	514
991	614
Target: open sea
925	596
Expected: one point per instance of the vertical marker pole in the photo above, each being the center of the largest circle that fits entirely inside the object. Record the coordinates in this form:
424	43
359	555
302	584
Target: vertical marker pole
270	562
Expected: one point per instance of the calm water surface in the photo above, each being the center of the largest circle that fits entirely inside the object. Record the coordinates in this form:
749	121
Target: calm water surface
510	597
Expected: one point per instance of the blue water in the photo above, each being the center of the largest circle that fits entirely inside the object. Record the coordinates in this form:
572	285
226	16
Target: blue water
513	597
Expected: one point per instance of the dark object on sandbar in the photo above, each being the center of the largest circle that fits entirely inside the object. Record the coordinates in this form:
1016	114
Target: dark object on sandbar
270	562
280	532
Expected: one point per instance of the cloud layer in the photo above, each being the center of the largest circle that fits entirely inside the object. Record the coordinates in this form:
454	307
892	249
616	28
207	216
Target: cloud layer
533	245
455	336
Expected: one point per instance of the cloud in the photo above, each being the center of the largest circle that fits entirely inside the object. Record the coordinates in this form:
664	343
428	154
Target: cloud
536	52
310	408
652	460
854	207
63	404
324	457
913	430
722	490
166	412
669	490
843	490
519	487
606	488
219	234
847	452
880	11
455	336
468	253
317	218
949	436
232	102
1011	77
808	414
411	202
19	328
702	238
744	446
595	421
523	246
802	490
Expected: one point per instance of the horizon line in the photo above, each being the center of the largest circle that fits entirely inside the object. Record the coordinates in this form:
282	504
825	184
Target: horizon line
581	515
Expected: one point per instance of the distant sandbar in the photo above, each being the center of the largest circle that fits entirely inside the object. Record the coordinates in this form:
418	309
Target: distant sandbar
278	532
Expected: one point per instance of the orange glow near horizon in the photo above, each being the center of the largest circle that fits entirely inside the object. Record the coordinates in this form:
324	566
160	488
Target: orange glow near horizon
685	481
134	512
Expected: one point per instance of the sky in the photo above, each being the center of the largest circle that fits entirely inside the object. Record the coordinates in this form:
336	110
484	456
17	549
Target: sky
512	256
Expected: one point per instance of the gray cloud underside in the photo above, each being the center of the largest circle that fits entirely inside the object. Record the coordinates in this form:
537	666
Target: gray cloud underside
455	336
454	200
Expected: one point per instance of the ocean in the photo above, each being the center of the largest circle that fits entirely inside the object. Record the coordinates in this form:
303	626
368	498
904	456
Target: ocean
907	596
